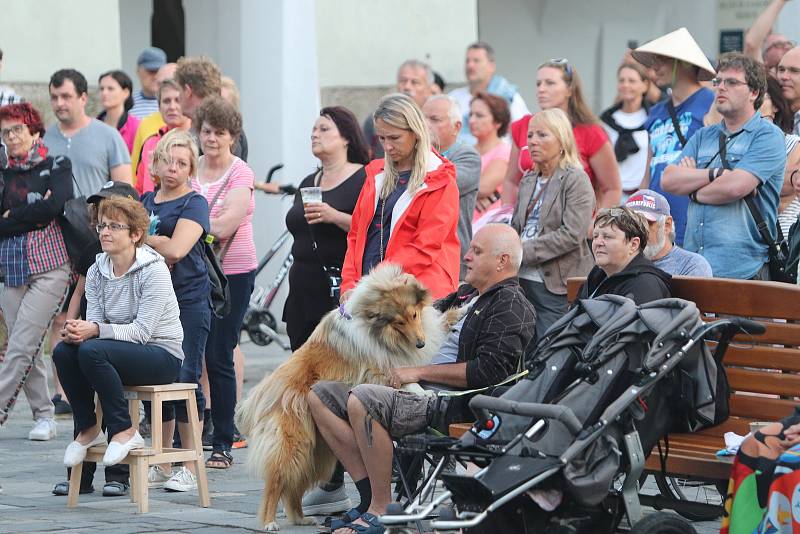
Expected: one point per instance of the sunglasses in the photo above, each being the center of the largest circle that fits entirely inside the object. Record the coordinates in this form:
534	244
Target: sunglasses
619	214
562	63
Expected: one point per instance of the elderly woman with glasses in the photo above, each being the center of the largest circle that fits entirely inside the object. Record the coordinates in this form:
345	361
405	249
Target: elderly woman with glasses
33	258
618	242
132	334
554	208
558	86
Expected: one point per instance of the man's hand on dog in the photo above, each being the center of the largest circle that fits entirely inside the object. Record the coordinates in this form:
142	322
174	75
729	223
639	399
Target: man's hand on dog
403	375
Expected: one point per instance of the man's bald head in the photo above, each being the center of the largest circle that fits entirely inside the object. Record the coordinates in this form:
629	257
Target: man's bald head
505	240
494	255
775	46
166	72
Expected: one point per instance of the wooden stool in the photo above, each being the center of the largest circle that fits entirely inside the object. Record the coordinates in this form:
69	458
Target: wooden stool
140	460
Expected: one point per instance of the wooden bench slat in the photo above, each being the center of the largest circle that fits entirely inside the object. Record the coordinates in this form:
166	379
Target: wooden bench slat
783	384
761	357
761	408
745	298
777	333
706	466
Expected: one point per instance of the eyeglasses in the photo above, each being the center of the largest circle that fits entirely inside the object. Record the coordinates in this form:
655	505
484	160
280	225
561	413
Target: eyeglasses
611	212
563	63
114	227
17	130
727	82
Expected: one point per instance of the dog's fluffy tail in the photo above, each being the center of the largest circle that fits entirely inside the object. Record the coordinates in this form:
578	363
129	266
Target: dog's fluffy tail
276	420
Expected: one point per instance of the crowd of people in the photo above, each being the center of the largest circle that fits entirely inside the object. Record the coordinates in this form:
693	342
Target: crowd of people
490	206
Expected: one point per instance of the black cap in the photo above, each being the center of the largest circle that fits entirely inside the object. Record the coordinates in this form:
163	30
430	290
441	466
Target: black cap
114	189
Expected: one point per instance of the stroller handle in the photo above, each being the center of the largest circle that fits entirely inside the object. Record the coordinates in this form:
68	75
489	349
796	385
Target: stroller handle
747	326
480	404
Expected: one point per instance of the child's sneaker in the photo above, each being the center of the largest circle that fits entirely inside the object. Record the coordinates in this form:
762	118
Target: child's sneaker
182	480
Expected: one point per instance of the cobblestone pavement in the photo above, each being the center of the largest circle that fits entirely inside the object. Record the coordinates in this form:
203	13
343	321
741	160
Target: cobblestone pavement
28	471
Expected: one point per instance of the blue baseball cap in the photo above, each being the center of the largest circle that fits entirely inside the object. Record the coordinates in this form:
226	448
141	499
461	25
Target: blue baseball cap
152	58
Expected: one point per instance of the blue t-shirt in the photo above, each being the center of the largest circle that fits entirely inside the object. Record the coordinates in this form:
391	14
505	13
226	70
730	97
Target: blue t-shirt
372	249
726	235
189	276
666	146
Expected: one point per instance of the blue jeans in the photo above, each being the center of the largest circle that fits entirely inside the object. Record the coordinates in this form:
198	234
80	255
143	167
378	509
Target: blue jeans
222	339
104	366
196	323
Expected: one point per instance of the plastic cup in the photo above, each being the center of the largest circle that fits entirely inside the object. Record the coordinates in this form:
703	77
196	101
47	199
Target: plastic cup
311	195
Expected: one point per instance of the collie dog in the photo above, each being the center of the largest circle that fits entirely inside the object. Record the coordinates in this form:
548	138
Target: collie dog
387	322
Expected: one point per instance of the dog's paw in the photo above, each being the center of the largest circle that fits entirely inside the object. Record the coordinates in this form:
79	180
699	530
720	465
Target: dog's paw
305	521
272	527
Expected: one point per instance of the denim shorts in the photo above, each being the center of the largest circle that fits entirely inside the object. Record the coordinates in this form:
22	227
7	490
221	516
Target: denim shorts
399	412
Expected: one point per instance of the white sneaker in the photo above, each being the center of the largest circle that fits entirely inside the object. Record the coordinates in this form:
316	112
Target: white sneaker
182	480
319	501
43	430
157	476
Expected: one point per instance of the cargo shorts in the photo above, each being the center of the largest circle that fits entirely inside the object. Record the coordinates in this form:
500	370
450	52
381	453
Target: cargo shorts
399	412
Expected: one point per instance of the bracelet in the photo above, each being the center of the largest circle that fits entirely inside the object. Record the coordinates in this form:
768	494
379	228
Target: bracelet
693	196
712	173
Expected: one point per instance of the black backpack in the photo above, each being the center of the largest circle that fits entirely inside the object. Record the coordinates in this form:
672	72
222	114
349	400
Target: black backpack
220	294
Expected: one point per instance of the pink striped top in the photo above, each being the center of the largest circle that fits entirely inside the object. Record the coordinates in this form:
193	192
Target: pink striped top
241	256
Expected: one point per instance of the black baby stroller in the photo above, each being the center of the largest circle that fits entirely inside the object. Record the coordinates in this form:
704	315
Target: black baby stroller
564	448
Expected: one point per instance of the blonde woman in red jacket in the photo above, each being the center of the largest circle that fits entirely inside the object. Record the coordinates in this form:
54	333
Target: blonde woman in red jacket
407	211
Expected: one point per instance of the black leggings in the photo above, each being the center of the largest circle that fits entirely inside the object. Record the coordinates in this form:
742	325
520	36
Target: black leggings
104	366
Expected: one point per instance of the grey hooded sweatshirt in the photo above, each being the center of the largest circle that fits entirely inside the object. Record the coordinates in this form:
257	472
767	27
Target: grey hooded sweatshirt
139	306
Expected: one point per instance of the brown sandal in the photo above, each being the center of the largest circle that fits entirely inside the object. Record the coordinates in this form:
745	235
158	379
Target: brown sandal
219	460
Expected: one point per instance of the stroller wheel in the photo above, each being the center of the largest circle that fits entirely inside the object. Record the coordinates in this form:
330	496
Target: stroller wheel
686	490
252	320
662	523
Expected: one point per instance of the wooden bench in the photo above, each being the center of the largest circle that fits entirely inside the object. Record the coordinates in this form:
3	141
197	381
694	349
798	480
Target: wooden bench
763	371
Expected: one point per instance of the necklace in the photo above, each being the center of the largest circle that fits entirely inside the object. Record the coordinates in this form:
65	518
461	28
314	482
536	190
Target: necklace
383	207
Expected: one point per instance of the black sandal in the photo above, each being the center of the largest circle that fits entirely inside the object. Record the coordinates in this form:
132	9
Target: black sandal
223	459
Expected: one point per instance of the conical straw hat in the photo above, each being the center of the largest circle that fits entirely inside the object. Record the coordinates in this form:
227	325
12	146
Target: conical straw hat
679	45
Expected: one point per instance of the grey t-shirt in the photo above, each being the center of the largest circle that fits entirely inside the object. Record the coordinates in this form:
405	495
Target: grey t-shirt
680	262
93	151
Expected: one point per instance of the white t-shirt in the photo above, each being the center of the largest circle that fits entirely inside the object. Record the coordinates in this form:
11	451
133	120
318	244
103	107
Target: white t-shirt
631	170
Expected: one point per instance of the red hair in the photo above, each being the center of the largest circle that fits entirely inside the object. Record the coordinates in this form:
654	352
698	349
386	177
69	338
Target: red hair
25	113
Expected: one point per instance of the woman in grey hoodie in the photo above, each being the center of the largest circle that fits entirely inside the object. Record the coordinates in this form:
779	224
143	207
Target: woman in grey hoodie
132	335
